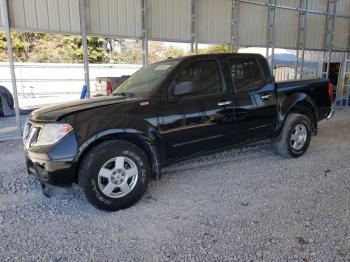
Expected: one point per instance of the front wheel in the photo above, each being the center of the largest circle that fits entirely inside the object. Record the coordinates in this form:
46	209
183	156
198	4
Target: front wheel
114	175
295	136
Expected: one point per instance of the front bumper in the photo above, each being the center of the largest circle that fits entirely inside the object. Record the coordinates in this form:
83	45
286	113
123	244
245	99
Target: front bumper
54	165
49	172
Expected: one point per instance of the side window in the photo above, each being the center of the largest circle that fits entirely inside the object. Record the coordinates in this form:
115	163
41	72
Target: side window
204	76
246	74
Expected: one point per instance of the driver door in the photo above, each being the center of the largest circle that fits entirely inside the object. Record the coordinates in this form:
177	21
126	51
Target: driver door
202	118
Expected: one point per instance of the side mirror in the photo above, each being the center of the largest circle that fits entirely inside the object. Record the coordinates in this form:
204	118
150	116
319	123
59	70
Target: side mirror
183	88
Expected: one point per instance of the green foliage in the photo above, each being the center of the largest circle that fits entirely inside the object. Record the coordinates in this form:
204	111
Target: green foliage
97	51
157	51
217	49
174	52
127	52
49	48
21	43
3	46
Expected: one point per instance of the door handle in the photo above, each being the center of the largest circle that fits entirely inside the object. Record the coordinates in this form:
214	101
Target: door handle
264	97
225	103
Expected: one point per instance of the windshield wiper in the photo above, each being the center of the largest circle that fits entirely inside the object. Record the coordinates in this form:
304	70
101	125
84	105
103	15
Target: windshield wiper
127	94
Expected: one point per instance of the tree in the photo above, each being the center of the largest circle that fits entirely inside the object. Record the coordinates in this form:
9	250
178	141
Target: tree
157	51
73	47
127	52
3	47
174	52
219	49
50	48
20	45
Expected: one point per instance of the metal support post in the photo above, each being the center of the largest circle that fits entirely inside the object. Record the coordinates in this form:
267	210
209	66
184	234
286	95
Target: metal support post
194	42
144	33
270	34
347	71
235	26
329	33
346	80
301	39
6	25
83	29
343	89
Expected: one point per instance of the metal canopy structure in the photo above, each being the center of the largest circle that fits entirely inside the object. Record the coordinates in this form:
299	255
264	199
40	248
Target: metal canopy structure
208	21
322	25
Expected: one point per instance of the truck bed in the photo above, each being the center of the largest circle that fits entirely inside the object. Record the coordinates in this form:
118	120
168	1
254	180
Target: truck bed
317	89
285	86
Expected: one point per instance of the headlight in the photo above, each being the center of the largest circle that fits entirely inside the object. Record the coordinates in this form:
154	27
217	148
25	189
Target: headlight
26	129
52	133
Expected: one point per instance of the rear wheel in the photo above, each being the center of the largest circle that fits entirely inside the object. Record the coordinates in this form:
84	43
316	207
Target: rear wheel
295	136
114	175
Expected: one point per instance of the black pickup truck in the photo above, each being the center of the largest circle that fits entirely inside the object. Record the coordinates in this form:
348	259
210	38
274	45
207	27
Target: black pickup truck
166	112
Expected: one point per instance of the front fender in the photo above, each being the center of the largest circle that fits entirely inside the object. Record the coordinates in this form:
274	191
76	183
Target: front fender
106	133
148	140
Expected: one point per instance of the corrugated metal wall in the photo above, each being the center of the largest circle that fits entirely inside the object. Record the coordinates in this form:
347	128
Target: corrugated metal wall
318	5
252	31
286	28
0	15
214	21
118	18
288	3
340	36
343	7
60	16
170	20
315	31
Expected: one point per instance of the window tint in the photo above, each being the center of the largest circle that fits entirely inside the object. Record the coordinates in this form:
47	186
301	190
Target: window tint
245	73
204	75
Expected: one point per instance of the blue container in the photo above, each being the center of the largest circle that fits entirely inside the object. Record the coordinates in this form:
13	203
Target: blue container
83	94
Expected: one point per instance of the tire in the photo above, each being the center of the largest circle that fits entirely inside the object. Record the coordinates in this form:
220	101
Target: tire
114	175
294	129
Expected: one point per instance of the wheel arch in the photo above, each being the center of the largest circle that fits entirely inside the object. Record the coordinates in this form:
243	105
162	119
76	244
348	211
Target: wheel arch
150	145
299	103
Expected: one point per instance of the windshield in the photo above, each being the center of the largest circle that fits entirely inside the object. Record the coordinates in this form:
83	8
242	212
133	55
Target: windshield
144	81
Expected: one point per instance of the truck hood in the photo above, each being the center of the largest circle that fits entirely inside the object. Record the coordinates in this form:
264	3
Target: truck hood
56	112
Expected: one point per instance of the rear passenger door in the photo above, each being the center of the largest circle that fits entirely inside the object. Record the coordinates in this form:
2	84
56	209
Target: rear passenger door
200	120
255	98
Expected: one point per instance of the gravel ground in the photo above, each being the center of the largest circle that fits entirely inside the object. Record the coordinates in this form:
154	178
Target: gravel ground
241	204
8	127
